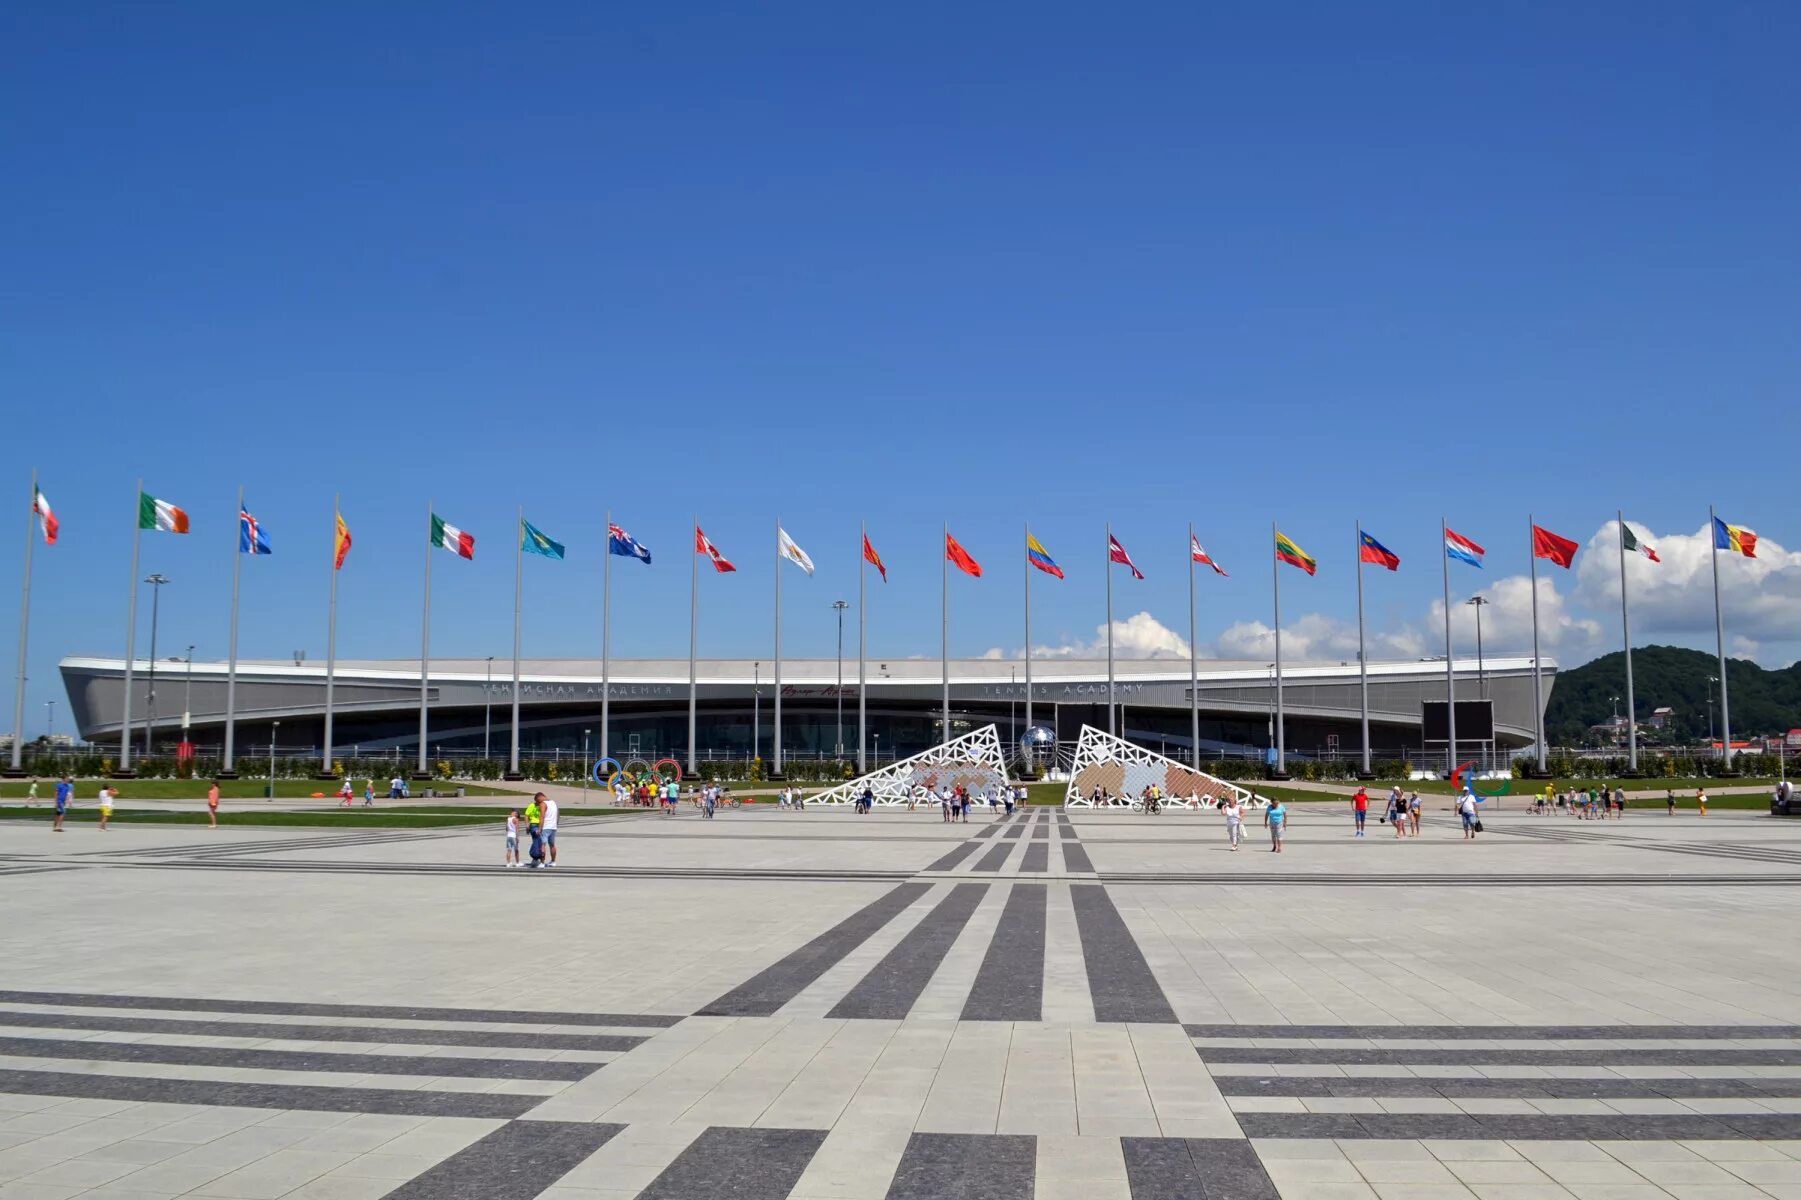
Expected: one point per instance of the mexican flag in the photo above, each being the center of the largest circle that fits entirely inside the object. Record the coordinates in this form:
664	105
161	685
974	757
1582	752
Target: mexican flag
160	514
449	537
1634	546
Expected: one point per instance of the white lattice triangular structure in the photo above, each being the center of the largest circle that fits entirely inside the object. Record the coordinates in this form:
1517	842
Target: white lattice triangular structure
1124	770
973	760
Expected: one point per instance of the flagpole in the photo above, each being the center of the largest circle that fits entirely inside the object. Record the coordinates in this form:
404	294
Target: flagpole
693	637
1111	727
1031	755
775	747
1538	699
331	646
518	600
425	646
1194	680
131	635
1281	771
1719	633
1450	668
24	631
606	637
1626	637
231	656
1363	673
862	649
945	617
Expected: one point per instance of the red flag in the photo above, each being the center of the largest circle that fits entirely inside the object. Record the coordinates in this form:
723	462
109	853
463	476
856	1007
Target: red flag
960	556
704	545
1117	553
1201	556
1545	544
875	560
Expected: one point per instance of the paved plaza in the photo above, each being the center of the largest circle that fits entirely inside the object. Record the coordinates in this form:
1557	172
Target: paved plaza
824	1006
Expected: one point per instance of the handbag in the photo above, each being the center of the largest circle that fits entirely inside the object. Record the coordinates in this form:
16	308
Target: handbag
1478	825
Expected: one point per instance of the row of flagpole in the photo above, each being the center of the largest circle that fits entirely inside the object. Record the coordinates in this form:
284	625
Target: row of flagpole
252	540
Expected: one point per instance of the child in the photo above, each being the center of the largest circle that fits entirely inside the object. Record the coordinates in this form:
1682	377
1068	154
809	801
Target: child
1275	817
511	857
369	794
106	806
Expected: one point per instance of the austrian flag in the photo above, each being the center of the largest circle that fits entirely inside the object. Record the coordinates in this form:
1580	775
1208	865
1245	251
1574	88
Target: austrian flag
448	537
704	545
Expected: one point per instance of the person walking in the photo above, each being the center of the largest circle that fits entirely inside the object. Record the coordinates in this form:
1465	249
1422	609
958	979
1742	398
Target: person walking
511	857
212	805
1234	821
395	785
534	815
346	793
1413	812
1275	817
369	793
550	829
31	794
1397	813
1466	809
1360	808
1701	800
65	792
707	803
106	806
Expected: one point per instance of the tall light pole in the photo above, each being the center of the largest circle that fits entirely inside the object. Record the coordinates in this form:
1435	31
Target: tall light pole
274	728
1478	602
49	720
1711	680
488	707
187	695
840	606
156	592
756	709
587	767
1012	706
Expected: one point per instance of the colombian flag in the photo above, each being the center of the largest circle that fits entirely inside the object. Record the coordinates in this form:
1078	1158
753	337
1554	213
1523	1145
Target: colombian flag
1293	555
1734	537
1040	558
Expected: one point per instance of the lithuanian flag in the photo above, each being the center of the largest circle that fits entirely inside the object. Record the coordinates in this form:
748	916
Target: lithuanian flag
1293	555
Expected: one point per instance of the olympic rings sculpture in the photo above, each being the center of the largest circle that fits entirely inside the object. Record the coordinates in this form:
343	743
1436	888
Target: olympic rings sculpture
610	773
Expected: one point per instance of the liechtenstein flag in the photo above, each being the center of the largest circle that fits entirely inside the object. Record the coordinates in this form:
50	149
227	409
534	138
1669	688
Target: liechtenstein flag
1462	549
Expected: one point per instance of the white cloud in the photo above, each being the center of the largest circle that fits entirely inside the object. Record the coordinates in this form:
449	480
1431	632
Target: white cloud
1673	599
1138	636
1315	636
1507	621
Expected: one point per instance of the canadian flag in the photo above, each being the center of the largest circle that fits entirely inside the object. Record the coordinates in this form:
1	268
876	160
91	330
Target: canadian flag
40	504
704	545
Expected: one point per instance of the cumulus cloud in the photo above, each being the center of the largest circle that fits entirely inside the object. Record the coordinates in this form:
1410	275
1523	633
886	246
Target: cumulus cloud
1138	636
1315	636
1673	599
1507	621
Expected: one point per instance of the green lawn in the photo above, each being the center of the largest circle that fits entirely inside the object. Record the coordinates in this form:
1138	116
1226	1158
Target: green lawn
229	789
328	818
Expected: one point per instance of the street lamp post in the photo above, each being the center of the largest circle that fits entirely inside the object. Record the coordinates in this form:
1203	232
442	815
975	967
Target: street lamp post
756	709
49	720
187	695
156	592
488	707
1477	603
878	749
840	606
274	728
587	767
1711	680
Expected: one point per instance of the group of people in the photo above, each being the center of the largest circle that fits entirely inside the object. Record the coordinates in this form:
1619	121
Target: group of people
1592	803
1401	811
65	798
540	827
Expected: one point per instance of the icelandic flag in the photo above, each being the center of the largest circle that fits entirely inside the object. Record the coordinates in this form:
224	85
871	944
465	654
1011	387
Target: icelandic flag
1462	549
625	545
252	539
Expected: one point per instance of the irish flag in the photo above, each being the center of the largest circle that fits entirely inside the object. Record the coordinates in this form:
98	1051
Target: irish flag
160	514
40	504
449	537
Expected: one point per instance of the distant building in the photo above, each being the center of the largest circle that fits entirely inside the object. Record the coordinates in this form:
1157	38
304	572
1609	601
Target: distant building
1793	739
1661	717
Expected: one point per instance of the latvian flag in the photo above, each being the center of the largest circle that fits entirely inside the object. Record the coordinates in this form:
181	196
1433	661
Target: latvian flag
449	537
1634	546
47	519
160	514
1462	549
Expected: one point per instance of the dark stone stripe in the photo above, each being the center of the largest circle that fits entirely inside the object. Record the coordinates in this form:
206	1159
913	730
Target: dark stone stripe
745	1164
1016	830
988	831
1119	978
966	1166
958	853
1605	1127
1040	832
511	1016
1160	1168
295	1060
267	1095
1505	1058
322	1033
890	989
1064	821
996	855
1478	1088
515	1162
1075	857
1485	1033
1037	860
1010	984
768	990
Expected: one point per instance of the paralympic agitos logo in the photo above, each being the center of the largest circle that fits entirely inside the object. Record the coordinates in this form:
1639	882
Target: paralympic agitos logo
1462	778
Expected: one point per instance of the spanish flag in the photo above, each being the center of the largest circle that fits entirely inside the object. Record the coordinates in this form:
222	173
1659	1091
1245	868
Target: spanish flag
340	545
1293	555
1734	537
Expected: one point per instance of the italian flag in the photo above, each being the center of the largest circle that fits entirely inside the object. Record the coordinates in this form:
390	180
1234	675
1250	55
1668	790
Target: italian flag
160	514
449	537
1634	546
40	504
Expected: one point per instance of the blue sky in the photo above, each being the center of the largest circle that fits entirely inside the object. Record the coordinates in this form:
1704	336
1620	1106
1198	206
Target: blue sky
1150	265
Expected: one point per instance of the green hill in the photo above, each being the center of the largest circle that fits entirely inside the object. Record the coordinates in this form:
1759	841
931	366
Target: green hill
1763	702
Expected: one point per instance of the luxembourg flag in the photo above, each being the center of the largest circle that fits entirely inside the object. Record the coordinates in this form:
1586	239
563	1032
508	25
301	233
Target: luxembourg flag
1462	549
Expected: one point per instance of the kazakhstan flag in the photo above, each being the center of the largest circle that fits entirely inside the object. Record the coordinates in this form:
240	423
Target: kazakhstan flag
533	541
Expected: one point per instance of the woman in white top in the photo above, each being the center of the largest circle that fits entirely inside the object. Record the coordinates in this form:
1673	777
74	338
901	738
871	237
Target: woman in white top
1234	820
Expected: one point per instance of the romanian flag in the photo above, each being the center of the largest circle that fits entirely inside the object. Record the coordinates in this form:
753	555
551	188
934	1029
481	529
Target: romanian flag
1372	551
1293	555
954	551
1040	558
340	544
1734	537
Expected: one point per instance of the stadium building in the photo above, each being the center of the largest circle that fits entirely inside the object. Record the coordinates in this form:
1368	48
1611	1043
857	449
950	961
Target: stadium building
376	705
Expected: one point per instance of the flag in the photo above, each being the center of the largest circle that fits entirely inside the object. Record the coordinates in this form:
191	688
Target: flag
625	545
533	540
1734	537
704	545
449	537
1373	551
785	546
160	514
1039	557
874	559
957	554
341	544
252	539
1560	550
40	505
1462	549
1200	555
1117	553
1293	555
1630	541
